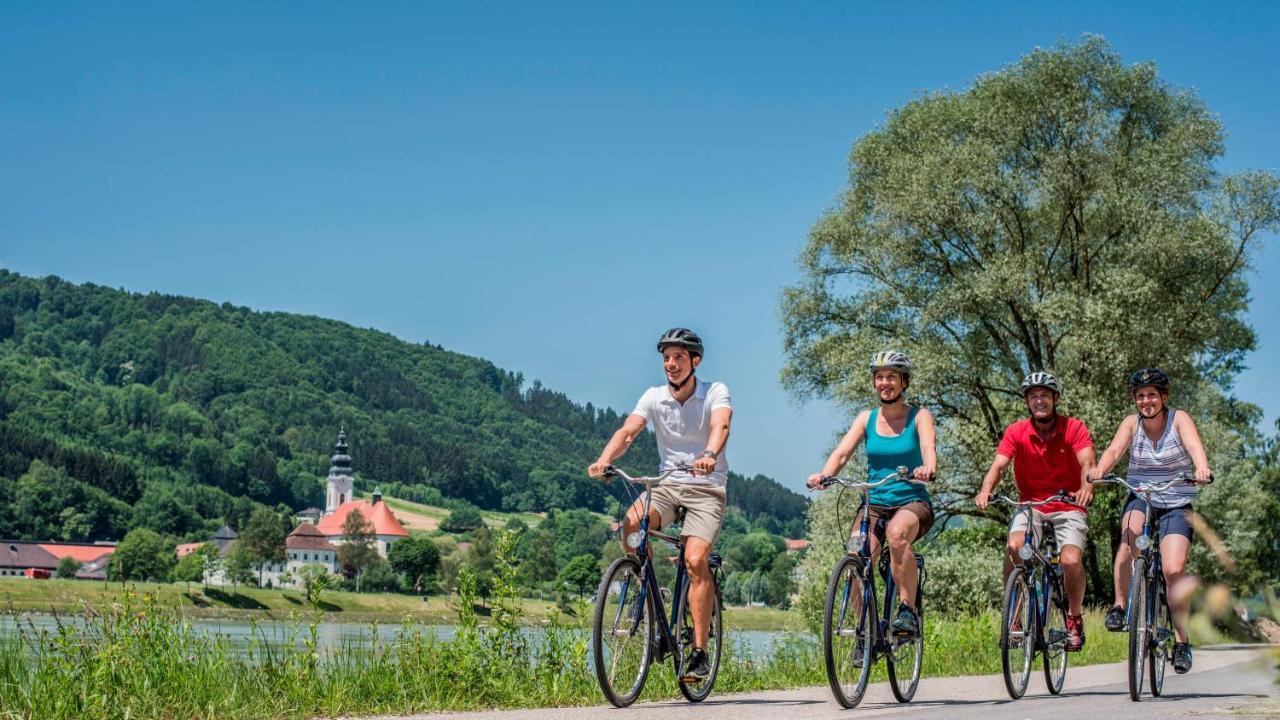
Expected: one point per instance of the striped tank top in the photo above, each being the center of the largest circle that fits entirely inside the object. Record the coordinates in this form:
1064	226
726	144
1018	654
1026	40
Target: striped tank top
1159	461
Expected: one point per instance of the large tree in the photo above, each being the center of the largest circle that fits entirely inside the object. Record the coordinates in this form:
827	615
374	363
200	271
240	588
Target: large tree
263	538
358	549
1065	213
417	558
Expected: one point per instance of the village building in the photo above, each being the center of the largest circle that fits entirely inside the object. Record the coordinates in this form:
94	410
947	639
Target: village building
40	560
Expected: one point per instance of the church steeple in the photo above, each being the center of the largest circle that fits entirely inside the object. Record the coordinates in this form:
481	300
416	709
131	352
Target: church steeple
340	474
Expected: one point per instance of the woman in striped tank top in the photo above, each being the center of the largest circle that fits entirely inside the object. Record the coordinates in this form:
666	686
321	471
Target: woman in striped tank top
1162	444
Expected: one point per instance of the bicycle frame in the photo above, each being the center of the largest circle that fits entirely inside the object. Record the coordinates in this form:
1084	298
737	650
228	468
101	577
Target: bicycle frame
1042	568
666	640
880	645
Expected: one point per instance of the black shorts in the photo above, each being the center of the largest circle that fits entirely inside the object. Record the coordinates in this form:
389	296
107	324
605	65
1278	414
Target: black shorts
1170	521
882	514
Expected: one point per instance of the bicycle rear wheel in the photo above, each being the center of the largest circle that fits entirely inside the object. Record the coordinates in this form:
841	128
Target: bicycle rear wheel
908	654
1162	639
1138	628
1017	633
698	691
847	631
622	632
1055	636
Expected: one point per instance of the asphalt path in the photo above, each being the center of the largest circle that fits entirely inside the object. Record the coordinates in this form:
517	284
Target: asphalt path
1229	681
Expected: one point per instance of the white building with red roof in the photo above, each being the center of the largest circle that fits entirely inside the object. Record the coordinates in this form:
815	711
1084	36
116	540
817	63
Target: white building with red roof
339	505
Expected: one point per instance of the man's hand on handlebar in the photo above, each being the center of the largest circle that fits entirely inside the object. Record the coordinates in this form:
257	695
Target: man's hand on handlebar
704	466
982	499
600	470
1083	496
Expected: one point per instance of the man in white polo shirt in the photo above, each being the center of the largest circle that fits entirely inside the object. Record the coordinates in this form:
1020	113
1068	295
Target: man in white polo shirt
691	421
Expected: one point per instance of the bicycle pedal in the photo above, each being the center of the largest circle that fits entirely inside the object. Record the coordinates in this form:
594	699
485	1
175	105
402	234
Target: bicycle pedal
847	632
1057	636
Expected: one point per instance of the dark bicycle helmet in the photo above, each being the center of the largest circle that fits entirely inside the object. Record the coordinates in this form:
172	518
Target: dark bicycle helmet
684	337
1149	377
1041	379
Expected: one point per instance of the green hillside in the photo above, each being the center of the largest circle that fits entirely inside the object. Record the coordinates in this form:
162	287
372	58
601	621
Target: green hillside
122	410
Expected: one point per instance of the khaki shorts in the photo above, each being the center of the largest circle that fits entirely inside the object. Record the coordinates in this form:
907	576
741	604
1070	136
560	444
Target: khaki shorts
882	514
704	508
1069	526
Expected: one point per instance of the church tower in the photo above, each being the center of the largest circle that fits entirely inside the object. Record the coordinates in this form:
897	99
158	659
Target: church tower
340	476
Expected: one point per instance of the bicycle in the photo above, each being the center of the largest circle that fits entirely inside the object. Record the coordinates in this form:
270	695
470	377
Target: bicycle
1033	617
1147	616
631	631
854	634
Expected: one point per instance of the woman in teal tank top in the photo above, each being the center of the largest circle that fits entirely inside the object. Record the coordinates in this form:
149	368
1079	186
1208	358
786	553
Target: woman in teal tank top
897	435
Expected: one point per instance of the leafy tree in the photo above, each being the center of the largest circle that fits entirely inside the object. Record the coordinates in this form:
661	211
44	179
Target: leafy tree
263	538
67	568
754	551
481	558
315	579
379	576
463	519
189	569
780	580
538	562
142	555
580	573
576	532
238	566
210	561
1062	214
417	558
357	550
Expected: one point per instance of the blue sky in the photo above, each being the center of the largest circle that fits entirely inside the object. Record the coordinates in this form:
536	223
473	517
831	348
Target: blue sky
546	186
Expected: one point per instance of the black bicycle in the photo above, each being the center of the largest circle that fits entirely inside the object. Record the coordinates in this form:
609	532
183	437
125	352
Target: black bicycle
854	634
1033	619
1147	615
631	630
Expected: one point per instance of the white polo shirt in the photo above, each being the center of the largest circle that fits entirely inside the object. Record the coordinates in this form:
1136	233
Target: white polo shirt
683	430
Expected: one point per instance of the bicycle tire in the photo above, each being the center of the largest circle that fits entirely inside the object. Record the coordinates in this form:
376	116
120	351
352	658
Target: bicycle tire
1017	633
847	634
1055	636
904	691
628	614
1162	640
1138	625
697	692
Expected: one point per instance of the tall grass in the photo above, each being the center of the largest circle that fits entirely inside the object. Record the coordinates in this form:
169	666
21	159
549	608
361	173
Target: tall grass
138	658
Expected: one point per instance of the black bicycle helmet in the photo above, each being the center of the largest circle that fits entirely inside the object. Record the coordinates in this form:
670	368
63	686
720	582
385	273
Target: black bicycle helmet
684	337
1041	379
1149	377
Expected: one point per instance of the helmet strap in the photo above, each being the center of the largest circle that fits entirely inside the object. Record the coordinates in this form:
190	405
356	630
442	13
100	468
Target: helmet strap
677	387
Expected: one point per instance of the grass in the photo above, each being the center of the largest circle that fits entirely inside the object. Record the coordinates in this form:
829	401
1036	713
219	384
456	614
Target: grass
136	657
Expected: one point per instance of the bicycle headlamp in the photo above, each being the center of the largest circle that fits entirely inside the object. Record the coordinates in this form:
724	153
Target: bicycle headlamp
1025	552
1142	541
633	540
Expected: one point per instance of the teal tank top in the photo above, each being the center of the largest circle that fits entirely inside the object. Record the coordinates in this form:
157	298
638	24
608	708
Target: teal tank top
885	454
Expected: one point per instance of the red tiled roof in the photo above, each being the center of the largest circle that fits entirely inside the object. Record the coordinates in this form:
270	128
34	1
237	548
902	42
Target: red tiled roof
307	537
186	549
80	553
26	555
797	545
384	523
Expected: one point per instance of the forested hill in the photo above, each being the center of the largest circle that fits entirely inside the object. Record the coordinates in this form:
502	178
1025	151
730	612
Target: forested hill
120	410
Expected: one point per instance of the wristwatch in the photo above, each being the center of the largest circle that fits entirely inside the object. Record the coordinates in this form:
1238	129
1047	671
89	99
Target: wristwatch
710	454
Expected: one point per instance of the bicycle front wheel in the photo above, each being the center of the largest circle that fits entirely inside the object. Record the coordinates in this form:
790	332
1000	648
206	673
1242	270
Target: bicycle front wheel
1017	633
1055	636
622	633
698	691
908	655
846	631
1139	628
1162	639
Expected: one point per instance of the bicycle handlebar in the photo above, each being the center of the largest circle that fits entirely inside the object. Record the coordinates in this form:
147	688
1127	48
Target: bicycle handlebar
903	473
1060	496
1146	488
612	471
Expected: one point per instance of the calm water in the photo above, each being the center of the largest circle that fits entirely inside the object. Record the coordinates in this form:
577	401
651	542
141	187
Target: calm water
331	637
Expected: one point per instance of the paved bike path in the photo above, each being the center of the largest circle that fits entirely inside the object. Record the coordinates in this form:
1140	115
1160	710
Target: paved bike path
1229	681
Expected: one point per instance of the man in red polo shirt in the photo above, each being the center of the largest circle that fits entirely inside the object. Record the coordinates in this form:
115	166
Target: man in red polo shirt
1049	452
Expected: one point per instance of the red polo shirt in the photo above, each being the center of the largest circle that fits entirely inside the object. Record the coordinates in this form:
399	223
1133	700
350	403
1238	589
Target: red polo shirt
1043	467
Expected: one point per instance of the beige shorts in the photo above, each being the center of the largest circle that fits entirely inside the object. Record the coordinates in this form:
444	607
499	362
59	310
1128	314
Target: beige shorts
704	508
1069	526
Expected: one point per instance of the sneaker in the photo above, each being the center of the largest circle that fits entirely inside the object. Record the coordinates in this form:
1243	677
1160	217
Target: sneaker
1075	634
906	624
1181	657
1115	619
695	667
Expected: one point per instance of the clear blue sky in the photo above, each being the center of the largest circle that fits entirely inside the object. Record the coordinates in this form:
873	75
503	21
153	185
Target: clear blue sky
545	186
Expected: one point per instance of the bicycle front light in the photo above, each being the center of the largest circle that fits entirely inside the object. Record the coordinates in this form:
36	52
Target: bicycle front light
1025	552
633	540
1142	541
856	541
